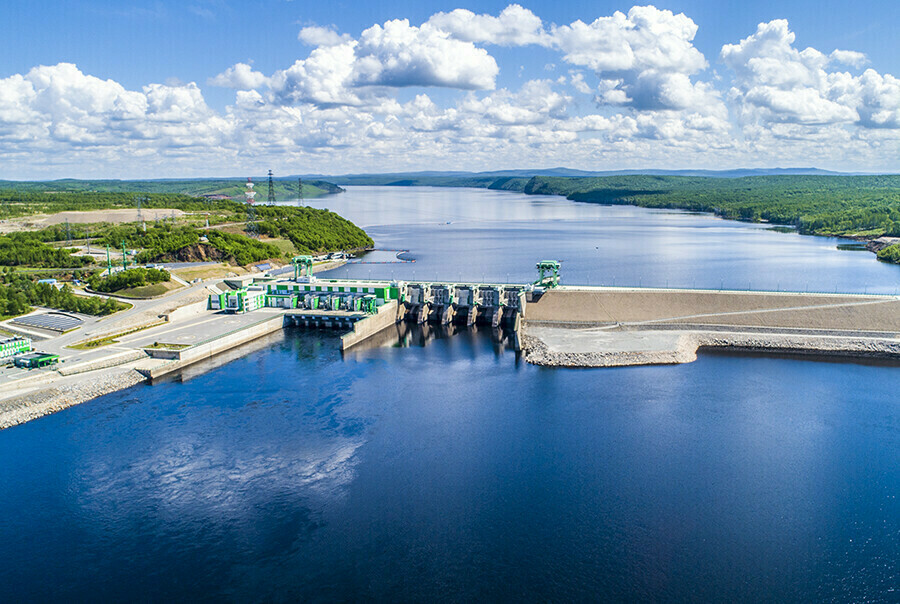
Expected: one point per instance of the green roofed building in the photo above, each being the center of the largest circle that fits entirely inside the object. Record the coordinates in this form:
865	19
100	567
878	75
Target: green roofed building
13	346
34	360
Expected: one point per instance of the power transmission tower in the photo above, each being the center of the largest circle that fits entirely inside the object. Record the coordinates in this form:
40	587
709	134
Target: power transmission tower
250	194
140	216
300	190
271	198
68	233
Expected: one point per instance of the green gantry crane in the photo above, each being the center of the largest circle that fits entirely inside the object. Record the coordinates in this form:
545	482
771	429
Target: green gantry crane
302	266
549	271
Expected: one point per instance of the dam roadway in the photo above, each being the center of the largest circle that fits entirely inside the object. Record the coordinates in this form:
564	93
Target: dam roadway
599	327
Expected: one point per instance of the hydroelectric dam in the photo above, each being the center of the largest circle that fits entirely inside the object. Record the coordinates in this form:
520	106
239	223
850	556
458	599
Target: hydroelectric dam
556	325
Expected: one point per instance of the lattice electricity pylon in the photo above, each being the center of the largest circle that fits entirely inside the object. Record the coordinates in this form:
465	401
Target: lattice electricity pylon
300	190
271	198
140	216
252	229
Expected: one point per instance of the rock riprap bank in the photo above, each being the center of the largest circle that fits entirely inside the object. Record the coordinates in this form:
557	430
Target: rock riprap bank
608	327
33	405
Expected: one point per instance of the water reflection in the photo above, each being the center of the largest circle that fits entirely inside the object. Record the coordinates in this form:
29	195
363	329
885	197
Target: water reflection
412	335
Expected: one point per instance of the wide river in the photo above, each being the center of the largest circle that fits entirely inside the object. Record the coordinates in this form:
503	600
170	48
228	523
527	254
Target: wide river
445	468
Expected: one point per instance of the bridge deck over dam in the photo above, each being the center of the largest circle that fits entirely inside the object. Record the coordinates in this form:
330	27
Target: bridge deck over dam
626	326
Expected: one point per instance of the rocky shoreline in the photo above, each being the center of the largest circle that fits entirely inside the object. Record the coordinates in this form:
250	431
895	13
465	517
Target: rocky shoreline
683	348
33	405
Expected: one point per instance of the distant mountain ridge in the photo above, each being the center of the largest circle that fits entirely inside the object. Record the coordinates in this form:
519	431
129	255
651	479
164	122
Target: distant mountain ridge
401	178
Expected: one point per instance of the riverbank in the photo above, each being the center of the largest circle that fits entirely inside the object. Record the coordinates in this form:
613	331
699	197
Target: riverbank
64	393
561	347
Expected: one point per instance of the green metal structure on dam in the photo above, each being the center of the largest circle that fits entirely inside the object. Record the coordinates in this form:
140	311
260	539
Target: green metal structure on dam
333	300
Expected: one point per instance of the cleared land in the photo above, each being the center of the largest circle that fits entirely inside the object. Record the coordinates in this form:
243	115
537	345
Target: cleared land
216	270
40	221
149	291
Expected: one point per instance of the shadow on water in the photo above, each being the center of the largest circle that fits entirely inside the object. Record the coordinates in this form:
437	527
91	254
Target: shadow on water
837	359
411	335
312	343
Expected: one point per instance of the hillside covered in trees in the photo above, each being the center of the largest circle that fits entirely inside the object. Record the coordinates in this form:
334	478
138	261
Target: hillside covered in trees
842	205
818	205
285	188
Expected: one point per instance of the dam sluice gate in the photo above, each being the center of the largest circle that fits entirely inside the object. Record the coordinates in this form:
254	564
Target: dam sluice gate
366	306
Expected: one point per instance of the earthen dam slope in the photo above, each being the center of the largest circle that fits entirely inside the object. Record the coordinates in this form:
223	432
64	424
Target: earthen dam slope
591	327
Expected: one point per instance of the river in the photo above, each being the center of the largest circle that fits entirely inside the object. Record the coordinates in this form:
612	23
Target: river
446	468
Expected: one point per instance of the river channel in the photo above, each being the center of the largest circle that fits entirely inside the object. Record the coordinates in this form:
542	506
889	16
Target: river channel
445	468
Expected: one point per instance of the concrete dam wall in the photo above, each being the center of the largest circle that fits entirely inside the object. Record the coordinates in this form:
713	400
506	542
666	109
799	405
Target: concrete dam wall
603	327
650	307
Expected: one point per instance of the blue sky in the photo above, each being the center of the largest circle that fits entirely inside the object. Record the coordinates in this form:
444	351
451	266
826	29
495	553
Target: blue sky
150	89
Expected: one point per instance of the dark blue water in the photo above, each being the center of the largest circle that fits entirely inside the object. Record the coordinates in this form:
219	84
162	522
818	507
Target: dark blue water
455	472
448	469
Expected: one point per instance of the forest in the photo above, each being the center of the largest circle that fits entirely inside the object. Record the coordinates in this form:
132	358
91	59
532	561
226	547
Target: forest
285	188
22	202
312	230
133	277
28	249
18	293
815	205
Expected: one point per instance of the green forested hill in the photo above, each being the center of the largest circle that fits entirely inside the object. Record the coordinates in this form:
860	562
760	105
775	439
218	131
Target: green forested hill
18	202
821	205
285	189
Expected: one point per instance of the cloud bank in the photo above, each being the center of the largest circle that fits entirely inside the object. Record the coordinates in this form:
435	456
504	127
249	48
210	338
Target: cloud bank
630	90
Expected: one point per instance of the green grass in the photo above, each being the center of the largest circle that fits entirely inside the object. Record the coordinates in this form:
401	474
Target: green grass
91	344
111	339
148	291
165	346
287	248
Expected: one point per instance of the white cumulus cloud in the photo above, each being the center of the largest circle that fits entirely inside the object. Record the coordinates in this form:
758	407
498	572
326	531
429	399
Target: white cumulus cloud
515	26
400	54
315	35
777	83
239	76
645	59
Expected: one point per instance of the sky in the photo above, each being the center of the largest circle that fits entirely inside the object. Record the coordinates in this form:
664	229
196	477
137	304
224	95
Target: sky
201	88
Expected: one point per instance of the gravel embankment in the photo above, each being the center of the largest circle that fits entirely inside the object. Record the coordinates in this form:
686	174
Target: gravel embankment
685	348
33	405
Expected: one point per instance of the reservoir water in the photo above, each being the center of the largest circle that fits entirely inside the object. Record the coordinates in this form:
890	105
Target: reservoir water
444	467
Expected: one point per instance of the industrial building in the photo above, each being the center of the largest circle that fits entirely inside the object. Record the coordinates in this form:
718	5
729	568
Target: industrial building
354	296
35	360
13	346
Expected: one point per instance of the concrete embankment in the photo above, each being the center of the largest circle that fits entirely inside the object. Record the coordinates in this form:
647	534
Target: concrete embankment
213	346
603	327
371	325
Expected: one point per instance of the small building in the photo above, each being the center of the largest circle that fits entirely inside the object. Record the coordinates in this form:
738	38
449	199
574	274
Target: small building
241	300
13	346
35	360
